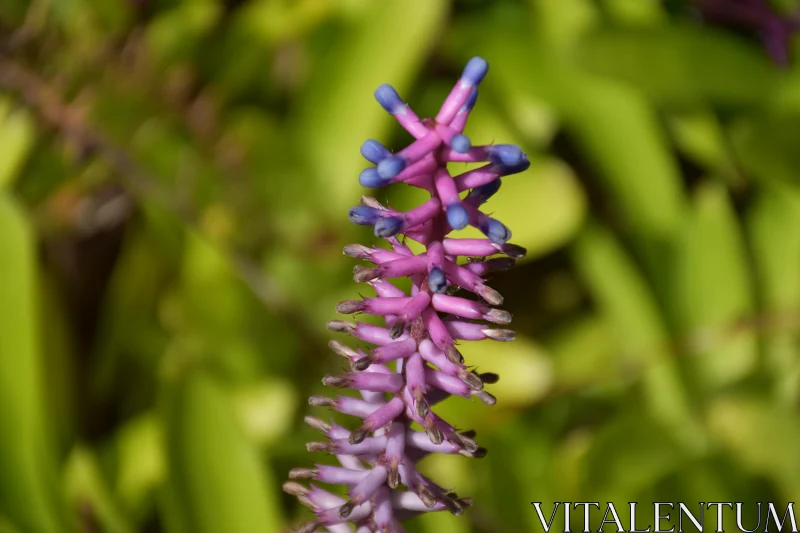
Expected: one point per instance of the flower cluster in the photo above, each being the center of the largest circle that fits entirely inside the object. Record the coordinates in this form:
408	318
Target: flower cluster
378	459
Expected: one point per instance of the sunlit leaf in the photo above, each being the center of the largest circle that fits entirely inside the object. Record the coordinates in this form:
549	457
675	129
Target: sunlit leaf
712	290
760	436
217	480
682	64
16	140
27	461
87	489
774	231
627	303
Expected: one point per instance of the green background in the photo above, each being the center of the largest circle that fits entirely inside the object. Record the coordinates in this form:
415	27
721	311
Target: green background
174	182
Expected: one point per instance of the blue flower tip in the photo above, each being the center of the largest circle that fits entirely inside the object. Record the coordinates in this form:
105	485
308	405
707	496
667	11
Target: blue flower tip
370	179
475	71
457	216
388	98
364	215
471	99
522	165
496	231
460	143
373	151
507	155
437	281
391	167
486	191
388	227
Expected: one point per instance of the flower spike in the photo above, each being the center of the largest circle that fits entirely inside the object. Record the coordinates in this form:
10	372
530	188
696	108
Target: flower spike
413	361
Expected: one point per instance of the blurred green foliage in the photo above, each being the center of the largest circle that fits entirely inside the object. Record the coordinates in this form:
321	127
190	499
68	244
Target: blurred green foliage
174	177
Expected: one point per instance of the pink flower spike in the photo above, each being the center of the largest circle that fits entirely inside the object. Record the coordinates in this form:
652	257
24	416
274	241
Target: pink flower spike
467	331
332	516
393	351
372	334
470	247
422	442
476	154
436	329
477	177
376	382
423	213
415	306
458	306
400	268
446	382
385	305
424	167
498	264
415	377
367	486
383	416
385	289
395	451
337	475
420	148
384	515
435	356
369	446
354	407
428	367
460	120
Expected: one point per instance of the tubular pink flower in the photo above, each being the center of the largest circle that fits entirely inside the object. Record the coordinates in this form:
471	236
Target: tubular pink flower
422	327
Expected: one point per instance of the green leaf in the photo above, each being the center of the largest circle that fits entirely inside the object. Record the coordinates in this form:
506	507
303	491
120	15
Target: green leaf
141	465
761	437
386	44
583	354
773	223
176	33
628	455
766	146
27	462
619	133
86	487
711	290
16	140
217	481
625	300
699	135
676	64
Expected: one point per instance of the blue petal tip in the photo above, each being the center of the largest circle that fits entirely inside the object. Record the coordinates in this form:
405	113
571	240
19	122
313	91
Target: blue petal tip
370	179
457	216
507	155
391	167
388	227
484	192
471	99
475	71
460	143
364	215
373	151
521	166
388	98
496	231
437	281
